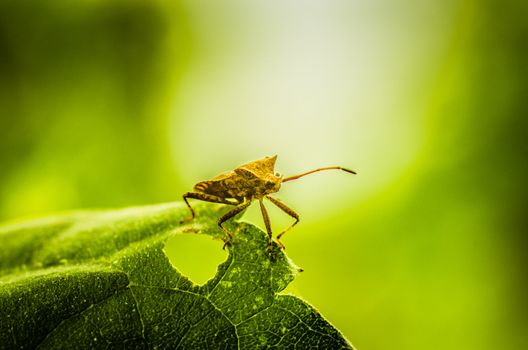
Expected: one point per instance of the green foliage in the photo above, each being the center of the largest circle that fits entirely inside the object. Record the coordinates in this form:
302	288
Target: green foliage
102	279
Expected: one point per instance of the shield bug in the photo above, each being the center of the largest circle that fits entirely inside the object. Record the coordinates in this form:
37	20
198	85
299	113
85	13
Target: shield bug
252	181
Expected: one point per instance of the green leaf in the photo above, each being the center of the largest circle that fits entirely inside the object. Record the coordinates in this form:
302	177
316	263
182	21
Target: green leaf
101	279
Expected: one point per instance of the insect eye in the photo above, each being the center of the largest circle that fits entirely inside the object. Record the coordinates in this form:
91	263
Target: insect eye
278	175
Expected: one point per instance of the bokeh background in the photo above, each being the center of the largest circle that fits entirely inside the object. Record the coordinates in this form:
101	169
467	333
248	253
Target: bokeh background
117	103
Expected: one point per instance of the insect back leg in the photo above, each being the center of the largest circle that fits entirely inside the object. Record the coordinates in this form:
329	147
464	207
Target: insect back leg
288	211
265	216
203	197
228	216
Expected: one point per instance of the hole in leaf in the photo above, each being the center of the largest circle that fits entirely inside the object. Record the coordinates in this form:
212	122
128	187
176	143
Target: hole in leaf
196	256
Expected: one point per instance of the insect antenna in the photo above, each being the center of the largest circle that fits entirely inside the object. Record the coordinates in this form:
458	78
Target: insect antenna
295	177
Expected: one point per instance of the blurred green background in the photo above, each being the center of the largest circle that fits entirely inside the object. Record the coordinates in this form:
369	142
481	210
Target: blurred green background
119	103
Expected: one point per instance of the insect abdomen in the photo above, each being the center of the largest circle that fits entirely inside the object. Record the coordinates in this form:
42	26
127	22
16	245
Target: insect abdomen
202	186
216	188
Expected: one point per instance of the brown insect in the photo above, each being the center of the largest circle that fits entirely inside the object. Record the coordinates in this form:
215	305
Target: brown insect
239	187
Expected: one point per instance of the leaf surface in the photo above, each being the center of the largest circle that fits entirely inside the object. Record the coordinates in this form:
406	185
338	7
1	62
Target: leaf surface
101	279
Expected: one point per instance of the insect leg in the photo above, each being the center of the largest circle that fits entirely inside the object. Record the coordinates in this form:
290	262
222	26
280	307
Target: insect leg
203	197
288	211
267	223
228	216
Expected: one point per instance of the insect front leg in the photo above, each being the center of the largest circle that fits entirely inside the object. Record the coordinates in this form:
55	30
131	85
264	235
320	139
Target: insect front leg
228	216
288	211
267	223
203	197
